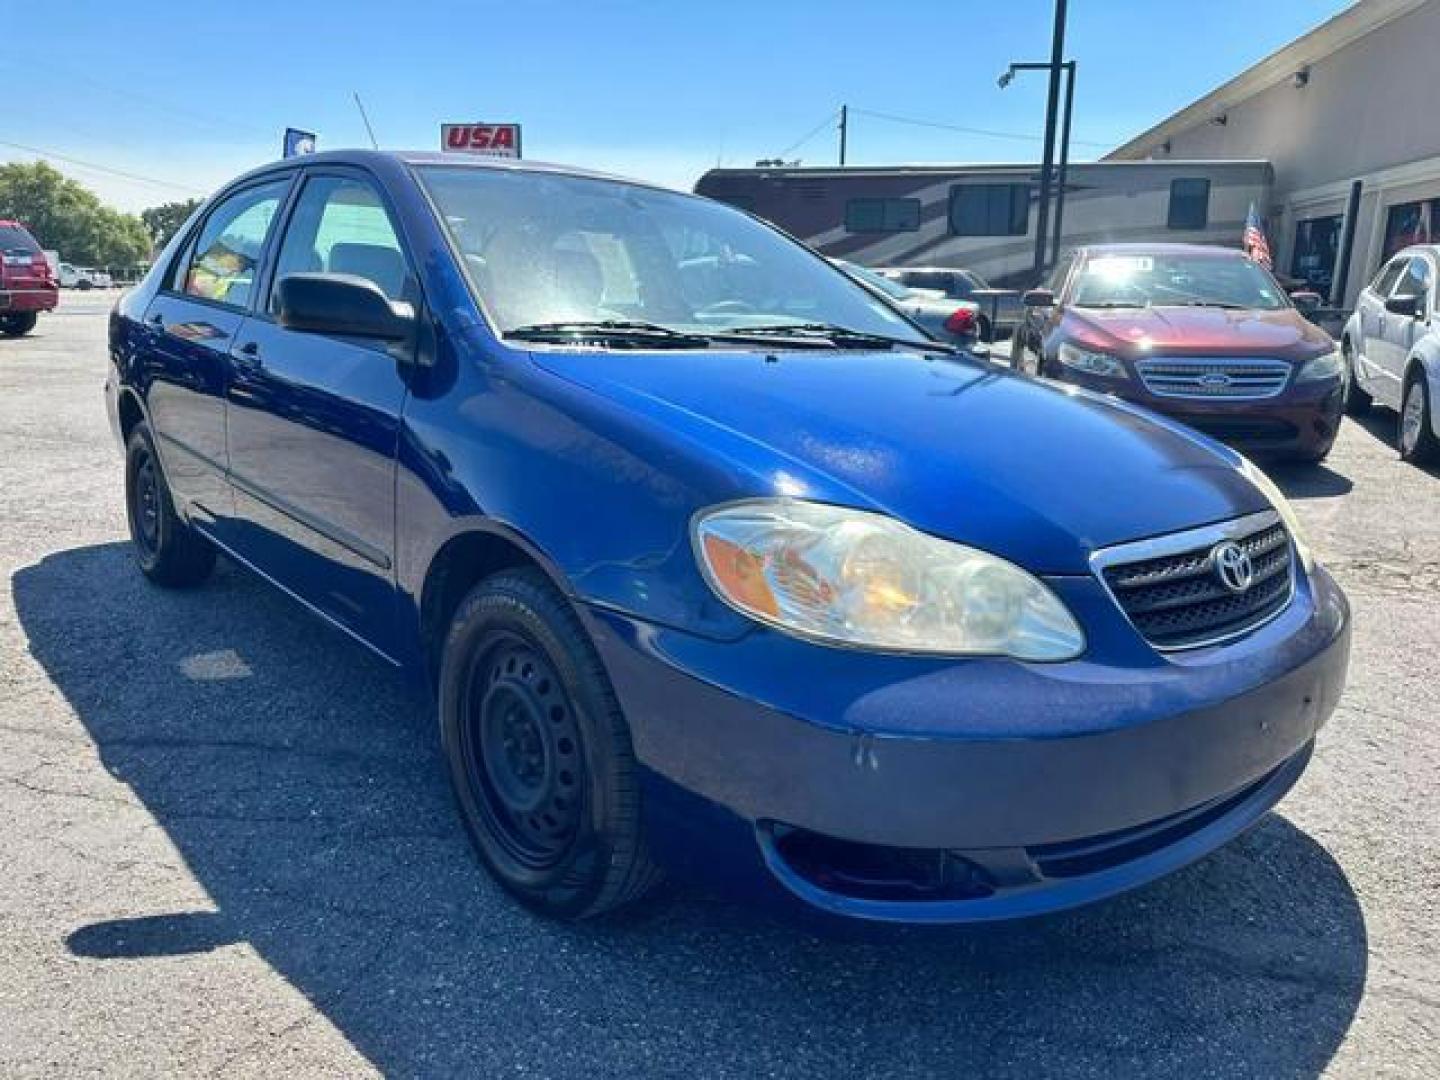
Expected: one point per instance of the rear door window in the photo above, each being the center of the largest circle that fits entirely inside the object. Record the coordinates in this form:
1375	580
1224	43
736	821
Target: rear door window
1385	280
226	256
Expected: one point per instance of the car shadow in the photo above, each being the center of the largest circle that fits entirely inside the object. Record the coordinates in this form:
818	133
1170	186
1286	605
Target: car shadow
1304	481
1381	424
302	783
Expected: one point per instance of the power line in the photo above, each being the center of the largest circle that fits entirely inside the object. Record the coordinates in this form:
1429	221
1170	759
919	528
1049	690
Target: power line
103	168
829	119
987	133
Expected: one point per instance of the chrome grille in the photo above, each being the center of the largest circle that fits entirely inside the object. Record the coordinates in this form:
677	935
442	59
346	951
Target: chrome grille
1210	378
1170	590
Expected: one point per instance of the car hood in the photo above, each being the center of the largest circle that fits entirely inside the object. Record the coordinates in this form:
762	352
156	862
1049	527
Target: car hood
1036	472
1213	331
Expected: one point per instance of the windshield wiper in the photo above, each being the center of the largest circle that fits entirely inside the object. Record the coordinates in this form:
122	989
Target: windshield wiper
841	337
611	330
1112	304
1222	304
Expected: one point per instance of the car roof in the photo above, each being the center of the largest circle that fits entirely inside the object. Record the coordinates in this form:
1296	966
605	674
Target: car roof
1140	248
363	158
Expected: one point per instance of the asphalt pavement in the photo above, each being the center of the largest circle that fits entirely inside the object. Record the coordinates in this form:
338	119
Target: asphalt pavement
228	848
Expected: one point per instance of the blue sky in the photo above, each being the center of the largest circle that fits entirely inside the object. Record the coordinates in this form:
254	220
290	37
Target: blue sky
190	94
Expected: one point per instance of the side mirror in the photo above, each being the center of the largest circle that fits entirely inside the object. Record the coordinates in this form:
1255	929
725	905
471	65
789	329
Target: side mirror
1038	298
1306	299
342	304
1408	305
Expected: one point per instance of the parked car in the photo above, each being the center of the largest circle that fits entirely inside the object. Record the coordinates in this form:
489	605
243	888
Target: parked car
1391	346
772	589
1203	334
1000	309
26	287
942	319
79	277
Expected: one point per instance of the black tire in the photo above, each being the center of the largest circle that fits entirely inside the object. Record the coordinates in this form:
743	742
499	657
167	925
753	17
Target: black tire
982	331
1357	401
539	753
168	551
18	324
1416	435
1020	353
85	285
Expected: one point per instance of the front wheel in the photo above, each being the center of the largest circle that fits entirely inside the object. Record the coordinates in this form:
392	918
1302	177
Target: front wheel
18	324
1418	444
170	553
539	753
1357	401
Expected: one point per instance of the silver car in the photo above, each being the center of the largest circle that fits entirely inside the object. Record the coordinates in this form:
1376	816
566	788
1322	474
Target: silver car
955	321
1391	346
1000	309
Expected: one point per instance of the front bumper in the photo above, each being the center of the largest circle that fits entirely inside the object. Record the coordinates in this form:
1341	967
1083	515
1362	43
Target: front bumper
1302	420
13	300
998	765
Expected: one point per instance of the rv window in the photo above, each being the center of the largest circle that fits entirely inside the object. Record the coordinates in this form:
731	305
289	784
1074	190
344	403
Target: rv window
990	209
1189	204
882	215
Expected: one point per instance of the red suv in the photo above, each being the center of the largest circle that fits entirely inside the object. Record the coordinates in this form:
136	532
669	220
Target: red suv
1202	334
27	286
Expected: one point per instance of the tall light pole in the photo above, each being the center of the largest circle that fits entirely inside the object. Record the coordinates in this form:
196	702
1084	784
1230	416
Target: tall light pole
844	124
1052	102
1060	185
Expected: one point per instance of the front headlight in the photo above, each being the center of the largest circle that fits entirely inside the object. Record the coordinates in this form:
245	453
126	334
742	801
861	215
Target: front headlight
1092	363
1325	366
1256	476
855	578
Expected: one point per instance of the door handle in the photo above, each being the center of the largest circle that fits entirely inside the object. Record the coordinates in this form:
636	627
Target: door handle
248	355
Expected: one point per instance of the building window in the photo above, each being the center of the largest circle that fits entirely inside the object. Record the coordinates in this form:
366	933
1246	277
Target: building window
1189	204
1410	223
990	209
1317	245
882	215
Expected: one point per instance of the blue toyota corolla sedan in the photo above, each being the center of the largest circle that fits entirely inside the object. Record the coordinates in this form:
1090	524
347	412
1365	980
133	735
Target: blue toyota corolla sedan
713	560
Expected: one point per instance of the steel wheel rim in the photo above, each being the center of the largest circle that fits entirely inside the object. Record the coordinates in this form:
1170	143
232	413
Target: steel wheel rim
1413	417
521	752
146	511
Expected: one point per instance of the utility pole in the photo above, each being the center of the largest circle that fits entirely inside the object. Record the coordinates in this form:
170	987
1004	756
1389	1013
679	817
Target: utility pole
1064	159
1052	104
844	119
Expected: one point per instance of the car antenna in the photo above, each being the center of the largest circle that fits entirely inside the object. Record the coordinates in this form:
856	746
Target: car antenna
368	129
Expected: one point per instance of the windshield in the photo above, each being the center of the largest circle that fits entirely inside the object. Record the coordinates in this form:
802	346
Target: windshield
1176	281
543	249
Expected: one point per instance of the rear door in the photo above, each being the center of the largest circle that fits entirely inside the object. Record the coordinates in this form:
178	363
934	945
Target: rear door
314	419
189	327
1402	331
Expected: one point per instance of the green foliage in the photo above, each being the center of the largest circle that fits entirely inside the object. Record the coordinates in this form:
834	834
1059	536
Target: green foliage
164	221
68	217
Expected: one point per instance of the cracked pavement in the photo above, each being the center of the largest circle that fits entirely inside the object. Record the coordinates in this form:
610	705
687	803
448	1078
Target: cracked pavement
229	850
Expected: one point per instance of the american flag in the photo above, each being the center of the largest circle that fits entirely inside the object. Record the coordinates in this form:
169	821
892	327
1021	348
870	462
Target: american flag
1253	240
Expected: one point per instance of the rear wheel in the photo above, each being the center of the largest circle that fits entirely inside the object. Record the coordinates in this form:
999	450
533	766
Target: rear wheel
169	552
18	323
1418	444
1357	401
539	753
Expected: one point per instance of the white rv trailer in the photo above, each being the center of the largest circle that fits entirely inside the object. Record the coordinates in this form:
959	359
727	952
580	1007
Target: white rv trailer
983	217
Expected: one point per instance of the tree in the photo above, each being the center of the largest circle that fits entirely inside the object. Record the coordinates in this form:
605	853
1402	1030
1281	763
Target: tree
66	216
164	221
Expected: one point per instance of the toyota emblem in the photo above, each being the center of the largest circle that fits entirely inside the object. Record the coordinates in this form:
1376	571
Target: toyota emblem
1232	566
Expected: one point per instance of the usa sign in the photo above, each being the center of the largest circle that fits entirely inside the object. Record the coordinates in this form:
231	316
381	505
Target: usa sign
491	140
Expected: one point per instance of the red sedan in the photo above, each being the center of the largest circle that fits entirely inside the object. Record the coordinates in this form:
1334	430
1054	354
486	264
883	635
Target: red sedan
1202	334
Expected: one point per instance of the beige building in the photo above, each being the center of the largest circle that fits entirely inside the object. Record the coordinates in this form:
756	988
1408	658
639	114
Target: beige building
1349	115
